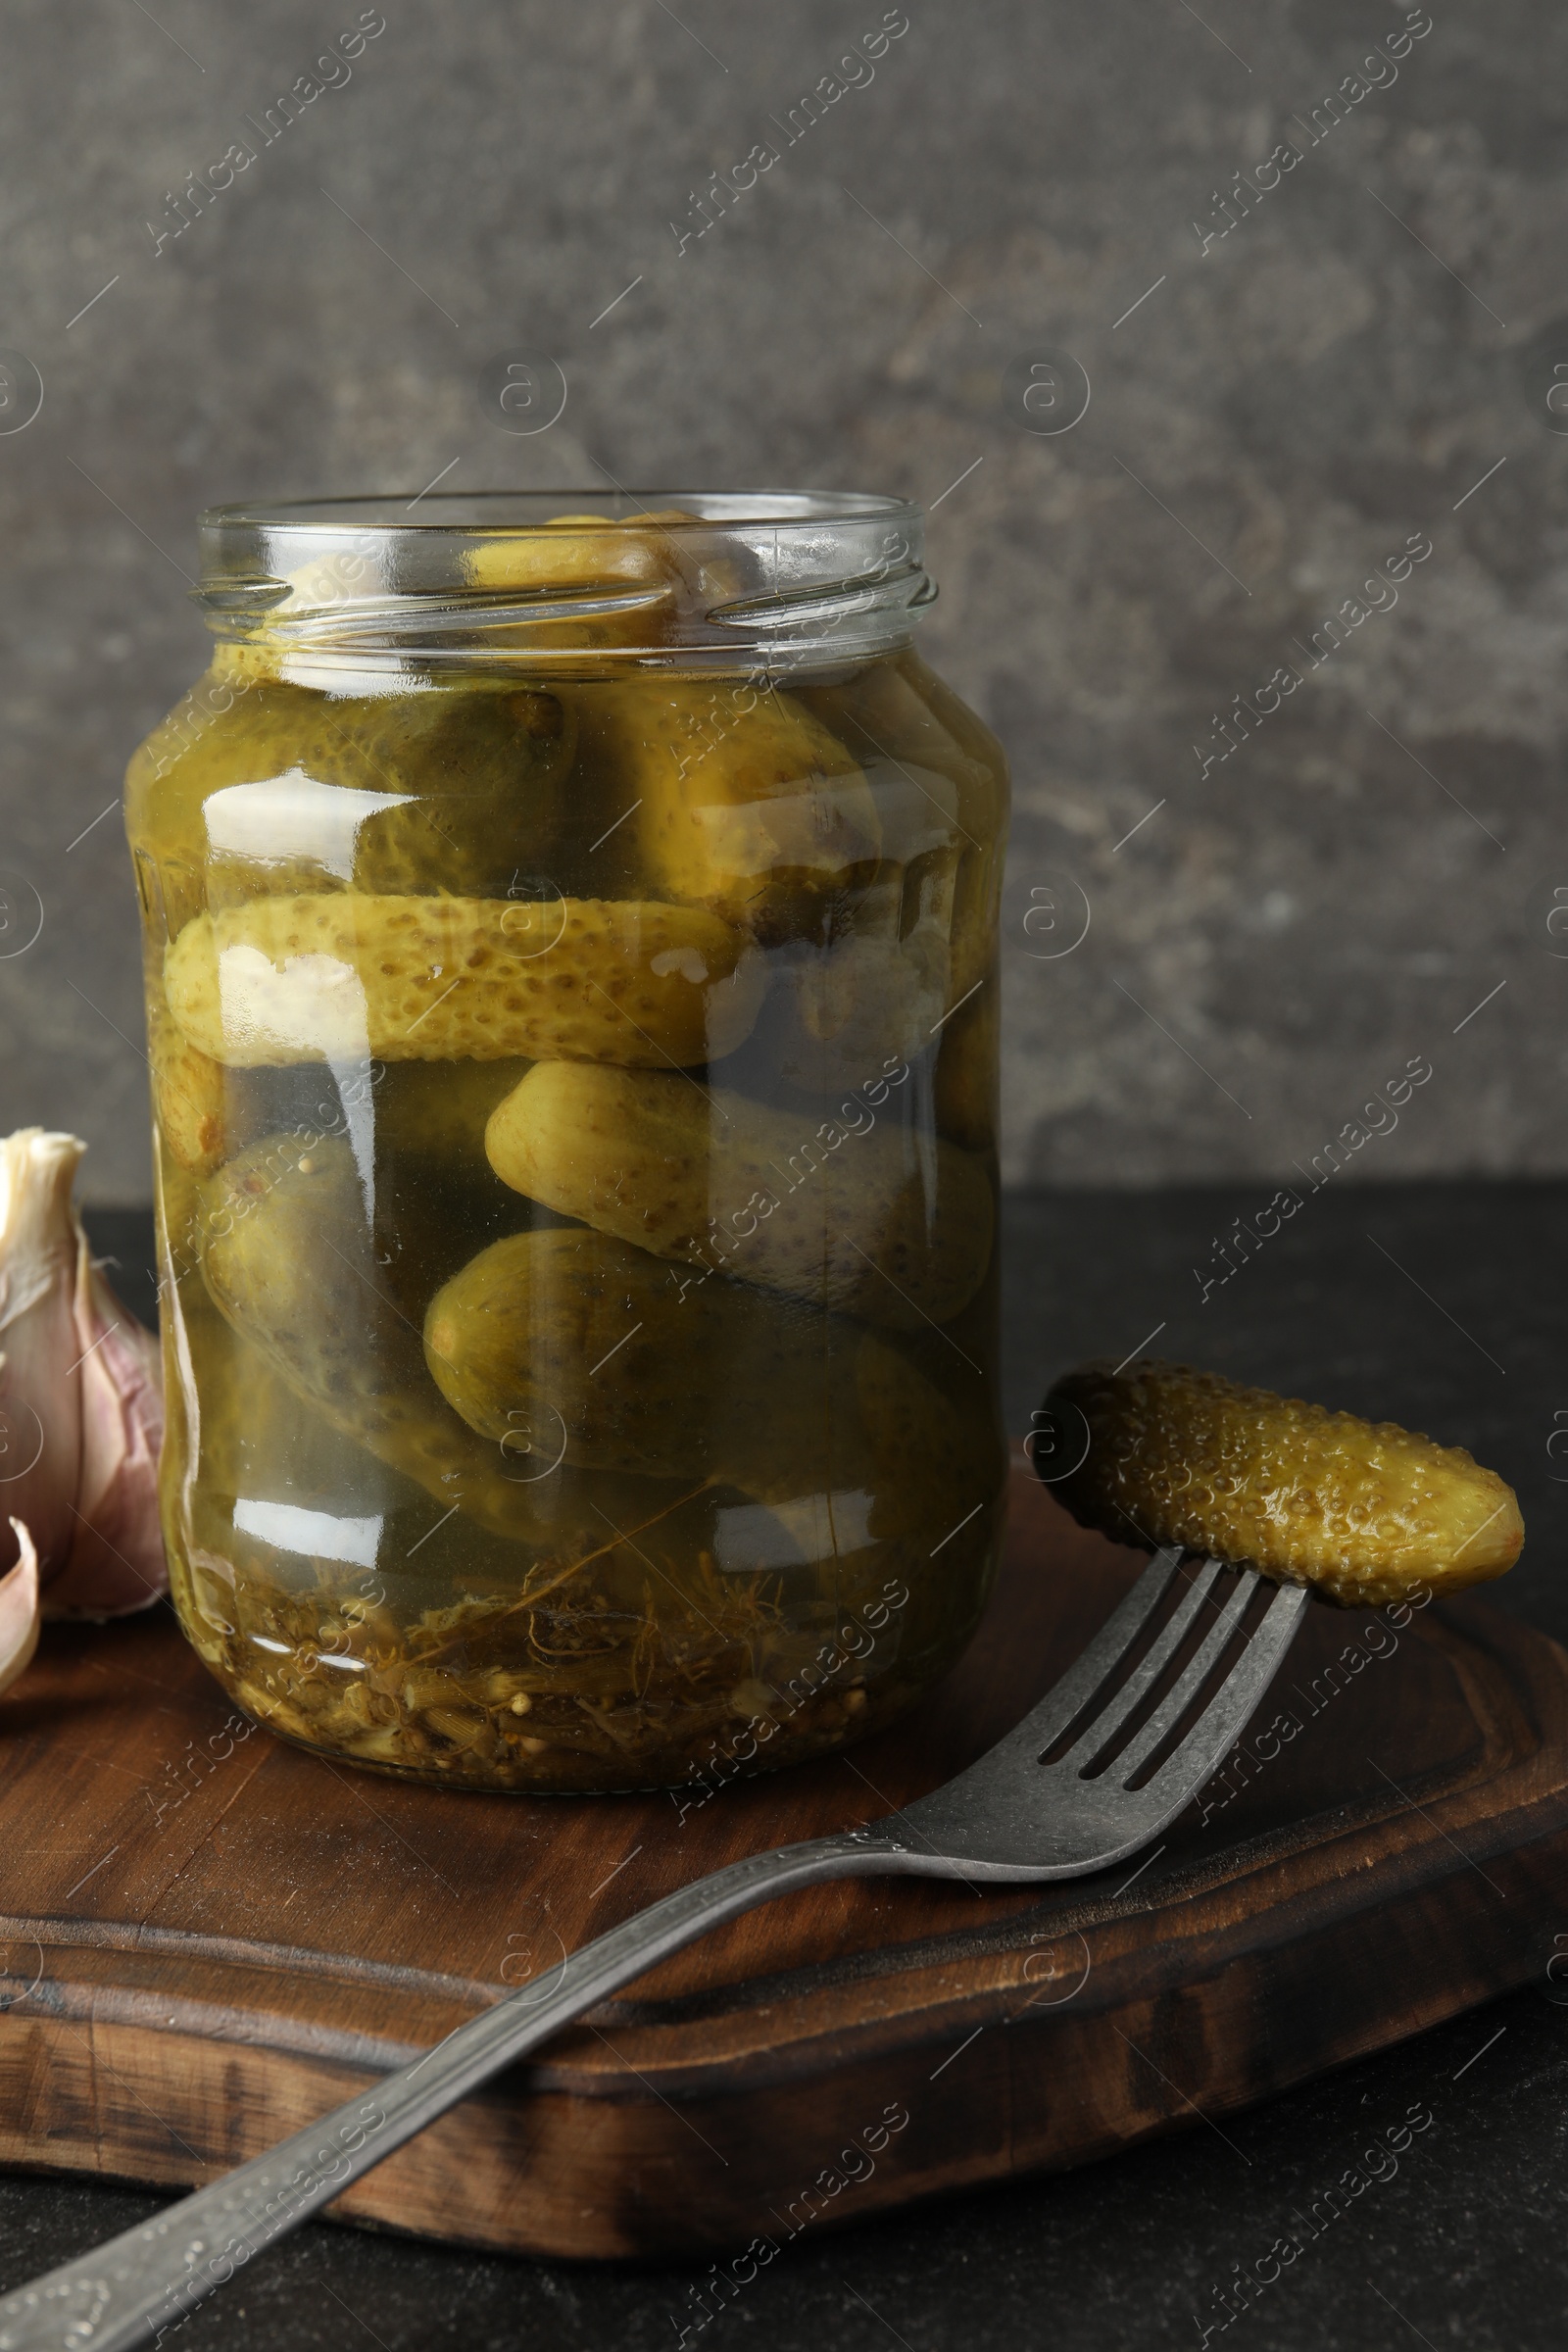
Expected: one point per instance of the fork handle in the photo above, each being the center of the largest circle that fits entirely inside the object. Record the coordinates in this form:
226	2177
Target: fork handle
146	2281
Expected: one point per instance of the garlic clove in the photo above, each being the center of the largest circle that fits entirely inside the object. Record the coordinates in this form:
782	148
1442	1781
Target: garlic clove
116	1559
19	1610
81	1410
40	1395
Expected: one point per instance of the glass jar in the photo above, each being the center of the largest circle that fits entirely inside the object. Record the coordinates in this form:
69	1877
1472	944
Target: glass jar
572	1007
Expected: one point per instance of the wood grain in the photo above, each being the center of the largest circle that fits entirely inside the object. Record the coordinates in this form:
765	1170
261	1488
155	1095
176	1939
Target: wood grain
210	1938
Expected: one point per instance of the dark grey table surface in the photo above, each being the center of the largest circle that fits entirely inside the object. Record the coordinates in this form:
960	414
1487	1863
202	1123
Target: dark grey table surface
1437	1305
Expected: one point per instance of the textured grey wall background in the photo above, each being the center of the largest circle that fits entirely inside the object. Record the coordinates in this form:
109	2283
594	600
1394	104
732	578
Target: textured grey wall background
1314	373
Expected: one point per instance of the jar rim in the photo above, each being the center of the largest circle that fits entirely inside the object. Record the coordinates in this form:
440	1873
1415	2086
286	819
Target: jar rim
703	510
727	578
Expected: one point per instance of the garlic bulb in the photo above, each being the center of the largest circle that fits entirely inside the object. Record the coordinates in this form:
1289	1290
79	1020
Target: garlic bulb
81	1414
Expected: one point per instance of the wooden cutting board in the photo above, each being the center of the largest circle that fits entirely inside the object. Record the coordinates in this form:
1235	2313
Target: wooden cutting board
210	1938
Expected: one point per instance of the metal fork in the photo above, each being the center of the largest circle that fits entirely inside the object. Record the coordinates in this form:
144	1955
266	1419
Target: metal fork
1008	1819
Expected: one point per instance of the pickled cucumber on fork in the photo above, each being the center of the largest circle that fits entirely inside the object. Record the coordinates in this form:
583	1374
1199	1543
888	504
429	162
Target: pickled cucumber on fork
1362	1513
863	1216
744	803
288	1261
339	976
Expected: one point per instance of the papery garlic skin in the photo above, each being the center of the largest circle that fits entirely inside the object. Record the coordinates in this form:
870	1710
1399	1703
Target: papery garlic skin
40	1396
82	1410
19	1610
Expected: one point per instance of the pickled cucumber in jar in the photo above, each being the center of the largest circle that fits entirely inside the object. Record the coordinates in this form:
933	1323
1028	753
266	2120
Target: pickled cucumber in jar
451	789
572	1053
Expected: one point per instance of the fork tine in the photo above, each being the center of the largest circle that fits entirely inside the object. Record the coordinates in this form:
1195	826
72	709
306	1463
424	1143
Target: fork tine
1083	1677
1108	1722
1189	1681
1189	1766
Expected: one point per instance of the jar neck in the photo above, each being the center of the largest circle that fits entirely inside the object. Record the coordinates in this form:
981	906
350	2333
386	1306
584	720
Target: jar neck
766	583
